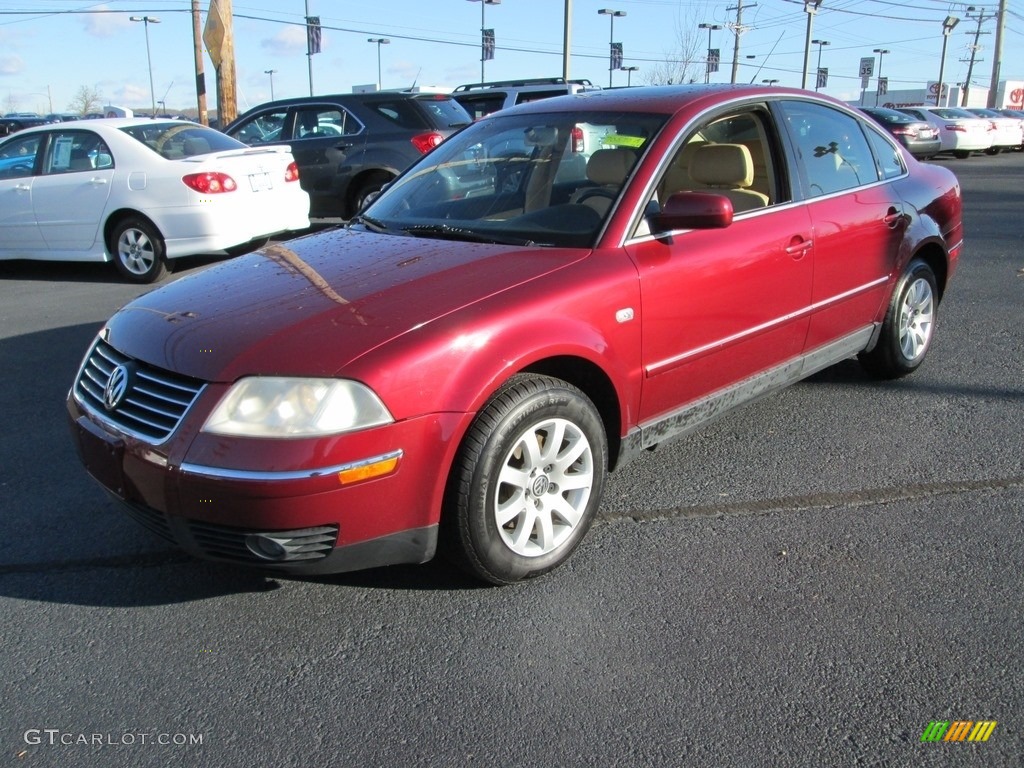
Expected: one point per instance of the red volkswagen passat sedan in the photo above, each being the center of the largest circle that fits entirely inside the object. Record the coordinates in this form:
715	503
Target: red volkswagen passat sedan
510	320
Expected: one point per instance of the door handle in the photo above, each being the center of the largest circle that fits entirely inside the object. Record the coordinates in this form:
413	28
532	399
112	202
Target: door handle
23	187
798	247
894	217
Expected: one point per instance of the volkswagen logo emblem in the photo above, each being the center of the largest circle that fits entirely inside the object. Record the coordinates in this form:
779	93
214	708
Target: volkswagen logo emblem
117	387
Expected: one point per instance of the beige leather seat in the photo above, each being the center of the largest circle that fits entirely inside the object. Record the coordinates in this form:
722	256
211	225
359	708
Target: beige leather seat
607	169
727	169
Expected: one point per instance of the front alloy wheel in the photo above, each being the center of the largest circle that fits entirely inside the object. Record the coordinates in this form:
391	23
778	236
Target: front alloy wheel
527	481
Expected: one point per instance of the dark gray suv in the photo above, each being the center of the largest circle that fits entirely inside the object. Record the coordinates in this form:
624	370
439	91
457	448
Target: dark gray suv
349	145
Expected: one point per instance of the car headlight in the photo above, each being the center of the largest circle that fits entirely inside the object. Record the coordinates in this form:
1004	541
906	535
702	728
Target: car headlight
269	406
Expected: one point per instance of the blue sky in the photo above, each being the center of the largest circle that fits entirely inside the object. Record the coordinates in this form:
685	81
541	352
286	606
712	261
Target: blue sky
50	48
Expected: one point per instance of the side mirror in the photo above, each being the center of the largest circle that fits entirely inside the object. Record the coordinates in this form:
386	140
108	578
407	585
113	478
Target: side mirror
693	210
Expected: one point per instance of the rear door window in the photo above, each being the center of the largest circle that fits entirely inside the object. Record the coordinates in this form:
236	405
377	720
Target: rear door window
831	148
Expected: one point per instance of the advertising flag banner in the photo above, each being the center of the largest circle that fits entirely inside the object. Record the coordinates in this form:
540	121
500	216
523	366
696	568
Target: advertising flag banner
616	55
822	77
714	56
488	44
313	34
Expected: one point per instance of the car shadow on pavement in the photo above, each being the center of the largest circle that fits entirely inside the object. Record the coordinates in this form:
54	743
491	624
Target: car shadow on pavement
91	272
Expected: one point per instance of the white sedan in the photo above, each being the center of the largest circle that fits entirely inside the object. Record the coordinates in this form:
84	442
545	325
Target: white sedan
959	131
139	192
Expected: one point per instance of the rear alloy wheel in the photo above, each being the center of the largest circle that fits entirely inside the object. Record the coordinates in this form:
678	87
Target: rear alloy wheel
527	481
909	325
138	250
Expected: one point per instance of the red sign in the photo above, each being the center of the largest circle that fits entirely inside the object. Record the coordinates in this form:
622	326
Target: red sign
1017	96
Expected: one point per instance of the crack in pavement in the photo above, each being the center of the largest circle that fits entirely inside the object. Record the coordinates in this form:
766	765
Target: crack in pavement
876	496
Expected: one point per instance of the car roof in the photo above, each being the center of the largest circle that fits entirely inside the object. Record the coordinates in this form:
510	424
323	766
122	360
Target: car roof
664	99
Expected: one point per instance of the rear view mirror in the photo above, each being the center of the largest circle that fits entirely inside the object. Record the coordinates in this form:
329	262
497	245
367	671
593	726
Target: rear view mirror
693	210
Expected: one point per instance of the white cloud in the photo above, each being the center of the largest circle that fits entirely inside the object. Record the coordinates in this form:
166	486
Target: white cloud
104	25
11	65
288	41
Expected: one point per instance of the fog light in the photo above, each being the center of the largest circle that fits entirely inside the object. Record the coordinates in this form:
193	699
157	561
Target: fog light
266	547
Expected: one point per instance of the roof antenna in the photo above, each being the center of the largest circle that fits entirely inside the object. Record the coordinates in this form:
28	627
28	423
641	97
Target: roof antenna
413	86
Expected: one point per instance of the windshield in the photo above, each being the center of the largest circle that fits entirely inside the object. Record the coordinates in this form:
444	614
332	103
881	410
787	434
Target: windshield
547	179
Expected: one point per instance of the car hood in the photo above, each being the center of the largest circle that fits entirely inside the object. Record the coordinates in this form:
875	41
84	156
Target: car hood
310	306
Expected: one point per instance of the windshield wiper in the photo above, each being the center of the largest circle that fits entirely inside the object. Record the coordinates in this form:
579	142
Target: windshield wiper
448	232
372	224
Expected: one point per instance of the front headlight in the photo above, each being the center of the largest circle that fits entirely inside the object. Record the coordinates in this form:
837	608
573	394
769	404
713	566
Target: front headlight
269	406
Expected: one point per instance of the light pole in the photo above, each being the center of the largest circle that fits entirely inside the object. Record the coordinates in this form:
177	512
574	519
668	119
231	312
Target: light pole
146	21
271	72
611	39
483	33
819	43
379	41
947	29
629	74
881	52
810	8
771	82
710	28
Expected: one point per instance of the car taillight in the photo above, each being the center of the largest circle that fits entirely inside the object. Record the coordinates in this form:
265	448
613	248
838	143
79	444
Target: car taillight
956	127
903	131
210	183
291	173
425	142
577	139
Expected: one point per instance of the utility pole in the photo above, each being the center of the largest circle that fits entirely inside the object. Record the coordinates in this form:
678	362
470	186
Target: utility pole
998	55
566	39
737	29
981	19
197	43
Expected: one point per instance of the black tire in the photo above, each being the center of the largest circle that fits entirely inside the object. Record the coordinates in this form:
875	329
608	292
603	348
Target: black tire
544	518
373	184
909	325
993	151
961	154
138	250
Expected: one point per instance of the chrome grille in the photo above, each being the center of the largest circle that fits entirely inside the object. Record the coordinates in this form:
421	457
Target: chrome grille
229	543
156	400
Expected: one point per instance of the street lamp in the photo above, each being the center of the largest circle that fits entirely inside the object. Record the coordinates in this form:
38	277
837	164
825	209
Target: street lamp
709	28
611	39
771	82
881	52
146	21
819	43
947	29
271	72
379	41
483	34
629	74
810	8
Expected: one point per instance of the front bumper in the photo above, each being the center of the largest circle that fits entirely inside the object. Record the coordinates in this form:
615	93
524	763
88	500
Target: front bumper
298	522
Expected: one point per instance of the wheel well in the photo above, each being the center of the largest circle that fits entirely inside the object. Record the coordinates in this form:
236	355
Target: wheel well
117	217
358	183
933	256
596	385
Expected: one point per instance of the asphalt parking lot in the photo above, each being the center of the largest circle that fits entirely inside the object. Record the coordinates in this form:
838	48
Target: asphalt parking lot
809	582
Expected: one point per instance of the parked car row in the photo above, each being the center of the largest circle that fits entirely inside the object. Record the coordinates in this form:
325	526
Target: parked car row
461	366
953	130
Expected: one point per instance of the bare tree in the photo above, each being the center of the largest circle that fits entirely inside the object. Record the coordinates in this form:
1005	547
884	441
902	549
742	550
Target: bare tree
685	61
10	103
86	100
